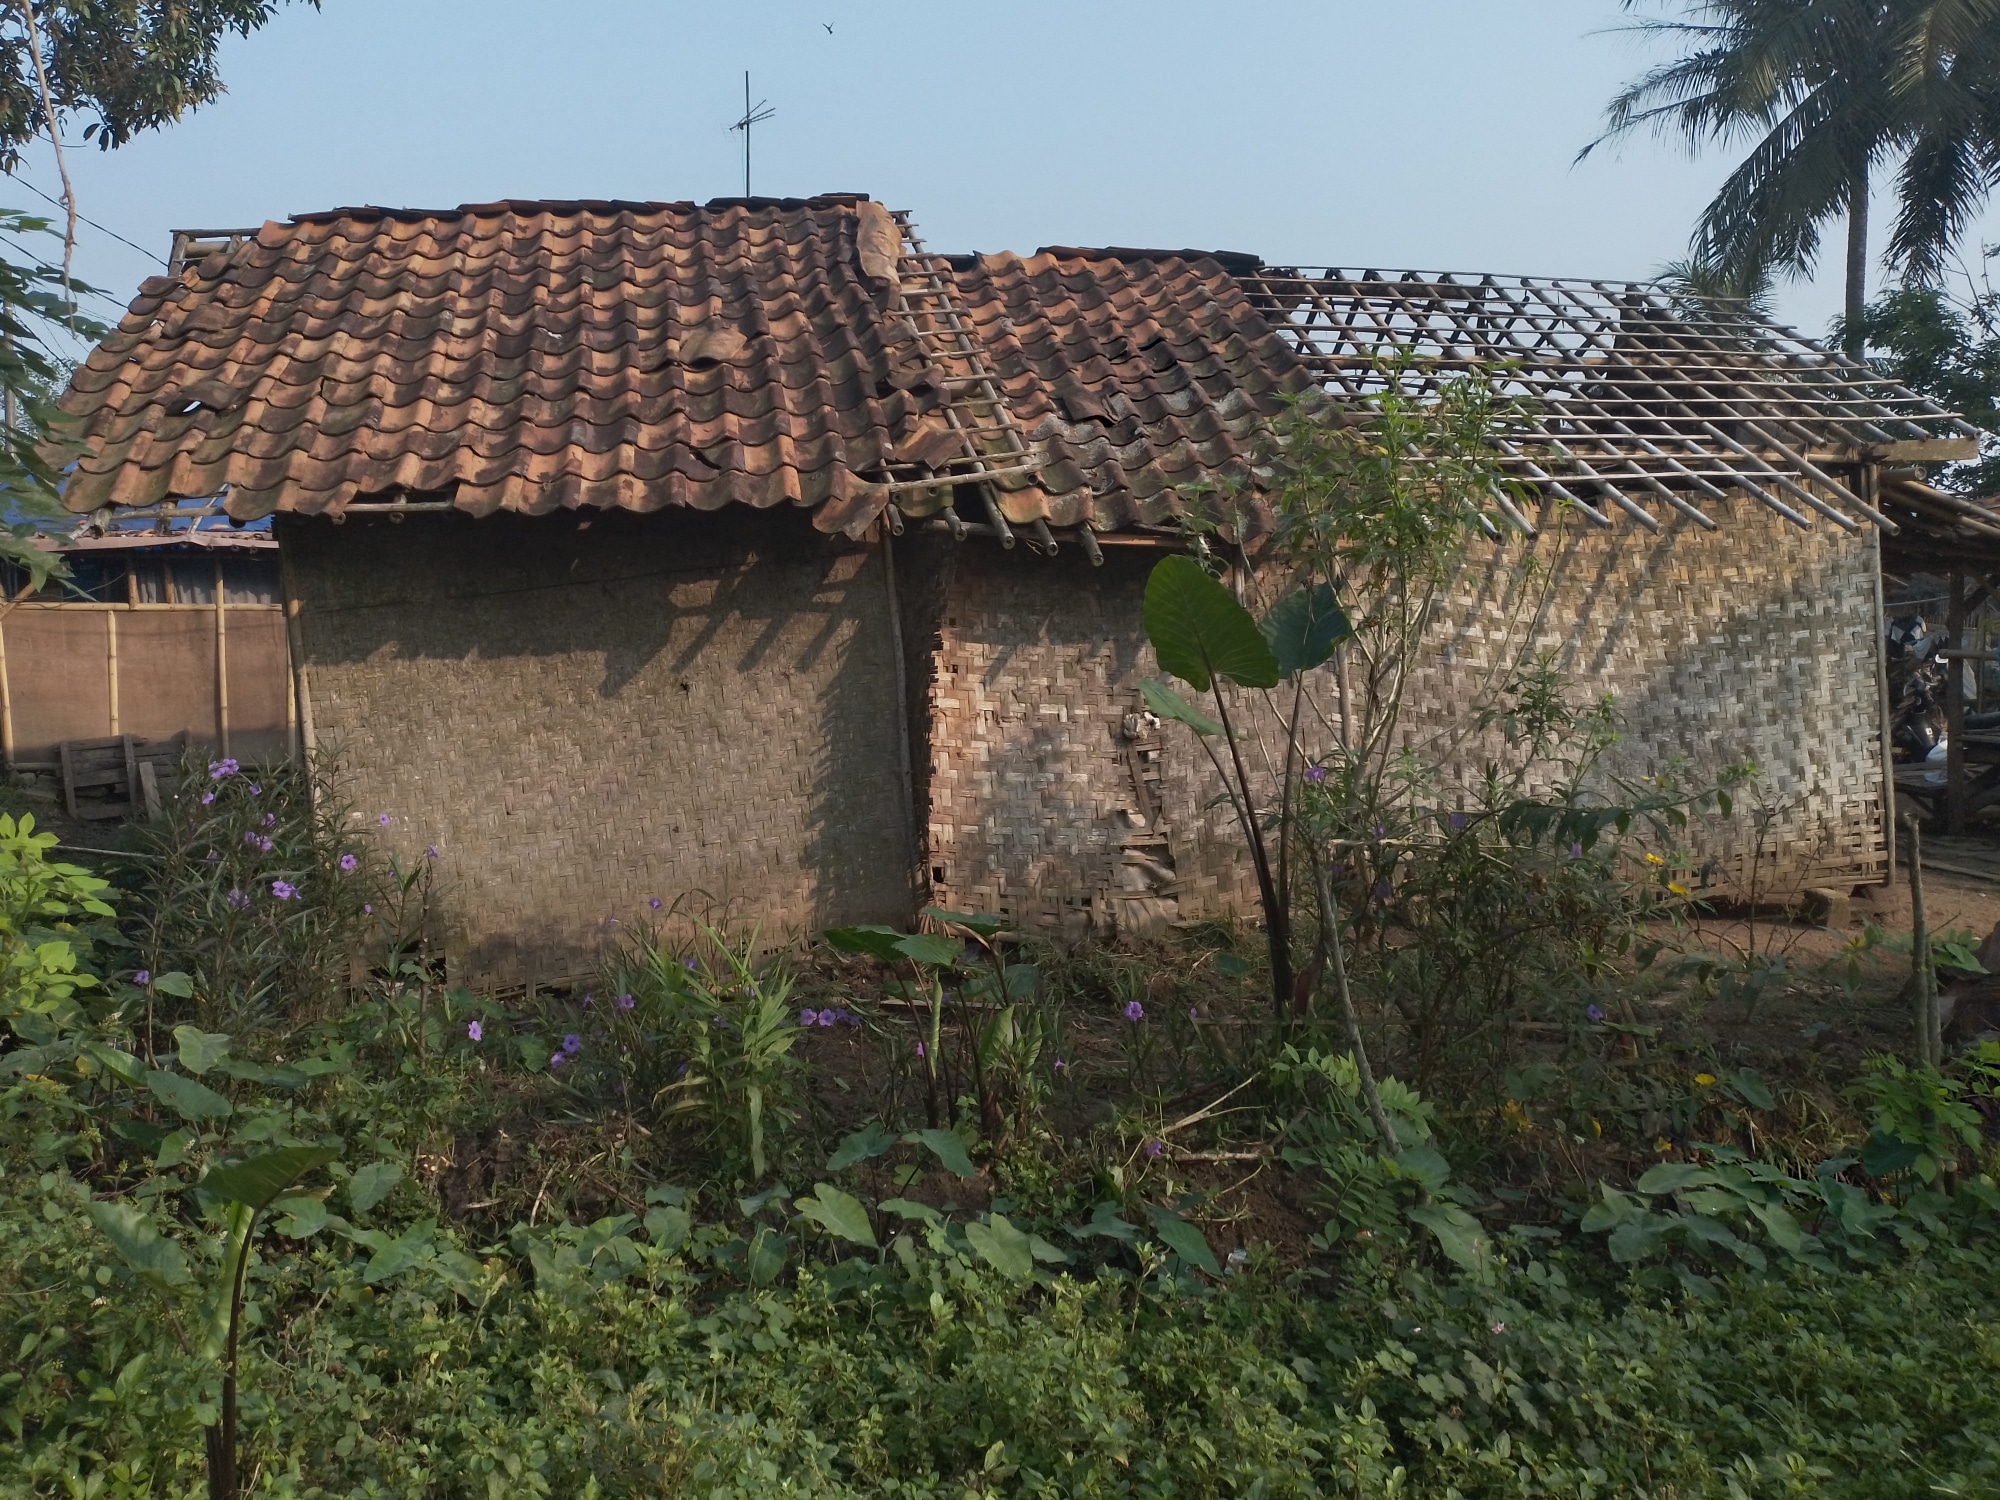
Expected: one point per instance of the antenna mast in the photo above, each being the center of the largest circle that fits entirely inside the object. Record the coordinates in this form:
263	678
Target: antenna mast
753	114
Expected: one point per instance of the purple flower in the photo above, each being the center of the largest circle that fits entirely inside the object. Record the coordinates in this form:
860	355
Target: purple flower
1154	1146
430	851
920	1049
828	1017
572	1044
1593	1014
265	845
1315	774
557	1059
688	964
1194	1013
626	1002
383	820
1060	1066
256	790
1134	1011
206	798
368	908
1380	830
283	890
586	1002
475	1031
212	857
1457	822
1381	890
237	901
1576	851
250	837
270	820
217	769
143	978
348	861
808	1017
655	902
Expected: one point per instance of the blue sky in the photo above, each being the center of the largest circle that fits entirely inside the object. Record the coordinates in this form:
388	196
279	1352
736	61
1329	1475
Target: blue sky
1402	133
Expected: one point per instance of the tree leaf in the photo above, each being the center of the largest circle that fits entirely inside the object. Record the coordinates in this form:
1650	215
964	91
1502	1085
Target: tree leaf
1229	966
948	1146
1105	1222
258	1180
1169	704
174	983
1003	1247
1885	1155
1184	1240
1304	628
870	1141
910	1209
186	1098
1754	1091
839	1214
199	1050
765	1256
874	942
1783	1229
139	1243
1458	1233
1199	632
371	1184
407	1249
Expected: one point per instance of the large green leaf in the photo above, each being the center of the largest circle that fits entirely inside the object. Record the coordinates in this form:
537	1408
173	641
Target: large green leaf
199	1050
875	942
871	1140
932	949
839	1214
1199	632
948	1146
1007	1249
1458	1233
186	1098
984	925
1304	628
139	1242
1169	704
1184	1240
371	1184
259	1180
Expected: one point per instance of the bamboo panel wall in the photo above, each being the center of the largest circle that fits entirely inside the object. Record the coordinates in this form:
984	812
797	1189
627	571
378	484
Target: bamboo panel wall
86	671
1756	641
676	706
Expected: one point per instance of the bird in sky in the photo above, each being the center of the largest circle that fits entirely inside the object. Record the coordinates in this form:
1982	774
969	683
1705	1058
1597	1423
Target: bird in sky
829	27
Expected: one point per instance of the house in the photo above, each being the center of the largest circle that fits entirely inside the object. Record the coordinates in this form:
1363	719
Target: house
751	559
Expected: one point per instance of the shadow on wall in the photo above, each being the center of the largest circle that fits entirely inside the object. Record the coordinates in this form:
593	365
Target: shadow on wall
588	714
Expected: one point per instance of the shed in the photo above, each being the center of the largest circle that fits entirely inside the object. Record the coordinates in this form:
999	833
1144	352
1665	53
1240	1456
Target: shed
749	556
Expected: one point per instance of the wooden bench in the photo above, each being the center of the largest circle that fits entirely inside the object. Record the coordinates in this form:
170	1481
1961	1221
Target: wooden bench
128	768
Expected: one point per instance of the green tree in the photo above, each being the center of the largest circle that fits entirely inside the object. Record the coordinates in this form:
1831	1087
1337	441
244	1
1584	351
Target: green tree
1947	347
1826	92
127	65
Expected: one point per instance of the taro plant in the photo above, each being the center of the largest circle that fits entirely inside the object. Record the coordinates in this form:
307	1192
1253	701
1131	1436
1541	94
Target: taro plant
240	1191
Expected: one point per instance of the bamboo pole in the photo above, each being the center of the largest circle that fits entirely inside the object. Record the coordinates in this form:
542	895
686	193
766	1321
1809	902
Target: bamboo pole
6	705
111	661
1922	971
221	661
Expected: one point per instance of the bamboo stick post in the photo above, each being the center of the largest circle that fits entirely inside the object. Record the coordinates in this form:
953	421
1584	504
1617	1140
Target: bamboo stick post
1954	706
221	662
1922	971
111	662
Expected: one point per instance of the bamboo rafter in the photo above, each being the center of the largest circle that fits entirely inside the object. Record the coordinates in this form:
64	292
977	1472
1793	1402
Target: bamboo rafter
1618	392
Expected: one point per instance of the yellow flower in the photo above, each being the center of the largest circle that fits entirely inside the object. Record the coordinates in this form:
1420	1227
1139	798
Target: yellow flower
1662	1144
1595	1128
1514	1115
1705	1080
1654	859
1677	888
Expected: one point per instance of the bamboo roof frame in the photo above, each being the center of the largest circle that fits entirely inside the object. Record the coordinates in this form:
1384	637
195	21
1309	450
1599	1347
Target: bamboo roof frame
1621	391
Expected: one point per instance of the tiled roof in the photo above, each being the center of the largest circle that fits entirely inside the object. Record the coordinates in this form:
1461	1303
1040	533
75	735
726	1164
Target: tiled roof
518	355
531	355
1133	378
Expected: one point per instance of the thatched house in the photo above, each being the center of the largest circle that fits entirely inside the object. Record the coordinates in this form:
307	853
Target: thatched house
749	554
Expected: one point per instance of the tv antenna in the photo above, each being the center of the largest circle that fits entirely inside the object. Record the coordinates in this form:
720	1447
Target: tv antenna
753	114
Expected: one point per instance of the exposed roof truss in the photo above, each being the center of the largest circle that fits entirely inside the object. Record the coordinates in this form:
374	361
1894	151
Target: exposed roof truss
1623	393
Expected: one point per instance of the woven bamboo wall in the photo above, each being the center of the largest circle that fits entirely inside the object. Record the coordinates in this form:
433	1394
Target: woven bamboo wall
583	719
1755	641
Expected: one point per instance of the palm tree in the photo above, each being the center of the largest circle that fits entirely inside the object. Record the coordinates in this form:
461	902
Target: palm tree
1826	91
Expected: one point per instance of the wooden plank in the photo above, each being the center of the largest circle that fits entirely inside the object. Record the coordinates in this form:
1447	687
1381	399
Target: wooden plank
68	778
149	792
